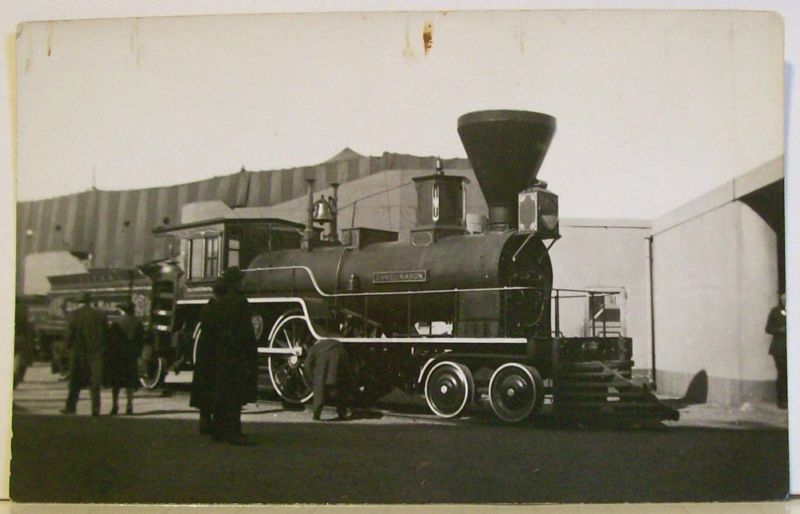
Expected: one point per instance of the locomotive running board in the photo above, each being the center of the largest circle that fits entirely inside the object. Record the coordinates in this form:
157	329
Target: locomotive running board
384	340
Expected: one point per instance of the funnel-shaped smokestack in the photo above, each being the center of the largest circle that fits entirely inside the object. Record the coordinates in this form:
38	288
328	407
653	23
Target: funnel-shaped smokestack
506	149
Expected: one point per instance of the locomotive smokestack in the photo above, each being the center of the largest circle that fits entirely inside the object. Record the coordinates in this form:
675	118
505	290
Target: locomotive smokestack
506	150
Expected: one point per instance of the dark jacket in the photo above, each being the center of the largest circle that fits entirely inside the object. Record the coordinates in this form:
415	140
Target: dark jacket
776	327
86	339
327	364
126	336
23	334
204	366
227	325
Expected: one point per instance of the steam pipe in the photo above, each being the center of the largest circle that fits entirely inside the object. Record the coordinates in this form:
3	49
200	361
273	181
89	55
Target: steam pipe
308	233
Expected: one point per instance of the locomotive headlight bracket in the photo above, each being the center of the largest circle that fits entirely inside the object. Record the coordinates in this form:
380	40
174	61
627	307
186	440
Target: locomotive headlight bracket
538	212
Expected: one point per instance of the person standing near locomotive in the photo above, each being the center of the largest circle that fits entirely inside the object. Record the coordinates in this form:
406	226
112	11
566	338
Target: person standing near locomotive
776	327
203	373
327	363
86	341
23	341
227	323
126	337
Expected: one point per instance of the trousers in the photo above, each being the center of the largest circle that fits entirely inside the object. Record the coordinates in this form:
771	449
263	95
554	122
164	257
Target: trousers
75	391
323	394
226	422
781	382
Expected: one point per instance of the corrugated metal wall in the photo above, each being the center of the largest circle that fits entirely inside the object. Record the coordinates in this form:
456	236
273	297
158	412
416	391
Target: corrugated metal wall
116	226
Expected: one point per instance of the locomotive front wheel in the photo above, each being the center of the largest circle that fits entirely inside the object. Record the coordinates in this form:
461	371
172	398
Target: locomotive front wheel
515	391
449	389
286	370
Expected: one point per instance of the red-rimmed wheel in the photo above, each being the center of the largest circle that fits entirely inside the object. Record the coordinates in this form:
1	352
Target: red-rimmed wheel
289	344
515	392
449	389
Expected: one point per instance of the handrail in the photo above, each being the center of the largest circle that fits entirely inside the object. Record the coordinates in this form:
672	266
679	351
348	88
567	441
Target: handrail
428	291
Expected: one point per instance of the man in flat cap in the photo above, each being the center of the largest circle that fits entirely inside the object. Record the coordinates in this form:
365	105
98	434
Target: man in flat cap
86	342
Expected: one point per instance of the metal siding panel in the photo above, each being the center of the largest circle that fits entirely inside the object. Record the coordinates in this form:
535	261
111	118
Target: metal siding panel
298	183
88	218
330	173
203	188
364	166
42	226
124	249
151	221
286	184
276	187
352	169
70	222
107	215
192	194
173	207
55	238
161	204
253	189
229	188
183	197
139	227
242	191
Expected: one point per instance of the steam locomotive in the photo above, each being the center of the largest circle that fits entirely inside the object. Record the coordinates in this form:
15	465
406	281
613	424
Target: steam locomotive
454	316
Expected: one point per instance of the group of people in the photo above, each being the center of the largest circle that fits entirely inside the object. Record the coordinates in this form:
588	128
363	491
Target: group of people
103	354
226	364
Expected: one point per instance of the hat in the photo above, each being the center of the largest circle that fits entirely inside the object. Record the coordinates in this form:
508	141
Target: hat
85	298
233	276
220	286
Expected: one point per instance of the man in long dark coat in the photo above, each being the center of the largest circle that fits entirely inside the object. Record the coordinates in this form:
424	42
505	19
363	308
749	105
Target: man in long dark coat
126	337
327	363
776	327
228	324
23	342
86	341
203	374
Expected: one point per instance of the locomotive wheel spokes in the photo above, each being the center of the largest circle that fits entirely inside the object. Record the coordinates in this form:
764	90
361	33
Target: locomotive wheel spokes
449	389
515	391
286	370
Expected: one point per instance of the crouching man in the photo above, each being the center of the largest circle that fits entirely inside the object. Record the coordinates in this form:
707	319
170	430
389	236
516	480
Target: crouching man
327	365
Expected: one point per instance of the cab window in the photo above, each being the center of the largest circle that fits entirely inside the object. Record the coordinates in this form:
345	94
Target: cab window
203	257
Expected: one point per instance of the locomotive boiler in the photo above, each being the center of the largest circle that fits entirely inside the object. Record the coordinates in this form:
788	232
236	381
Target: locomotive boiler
457	317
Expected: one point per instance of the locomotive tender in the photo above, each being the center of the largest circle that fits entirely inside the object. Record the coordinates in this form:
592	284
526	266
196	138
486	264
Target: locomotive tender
448	314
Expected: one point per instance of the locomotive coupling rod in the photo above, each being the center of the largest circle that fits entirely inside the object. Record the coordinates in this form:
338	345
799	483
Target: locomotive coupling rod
281	351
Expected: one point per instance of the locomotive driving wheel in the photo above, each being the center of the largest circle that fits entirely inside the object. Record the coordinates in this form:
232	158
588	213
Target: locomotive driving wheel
292	336
449	389
151	368
515	392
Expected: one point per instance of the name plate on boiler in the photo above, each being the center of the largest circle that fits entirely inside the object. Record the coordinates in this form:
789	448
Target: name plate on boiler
393	277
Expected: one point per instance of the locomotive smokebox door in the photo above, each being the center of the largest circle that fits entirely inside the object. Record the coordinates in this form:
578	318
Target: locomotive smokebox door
538	213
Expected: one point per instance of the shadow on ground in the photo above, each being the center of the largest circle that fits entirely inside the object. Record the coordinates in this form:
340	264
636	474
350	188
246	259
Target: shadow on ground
114	460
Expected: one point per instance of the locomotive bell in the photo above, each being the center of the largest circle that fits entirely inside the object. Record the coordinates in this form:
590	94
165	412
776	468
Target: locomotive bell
322	212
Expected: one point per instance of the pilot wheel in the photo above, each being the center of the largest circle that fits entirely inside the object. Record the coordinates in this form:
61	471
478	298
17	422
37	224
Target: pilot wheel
516	392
